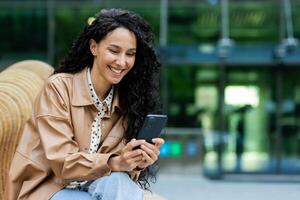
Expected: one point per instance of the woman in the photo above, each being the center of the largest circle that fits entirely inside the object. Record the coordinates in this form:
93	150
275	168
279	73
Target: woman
79	142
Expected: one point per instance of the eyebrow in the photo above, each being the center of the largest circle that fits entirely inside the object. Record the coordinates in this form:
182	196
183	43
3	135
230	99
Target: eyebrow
116	46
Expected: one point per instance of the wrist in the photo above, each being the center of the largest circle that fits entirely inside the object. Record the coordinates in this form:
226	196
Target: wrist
113	163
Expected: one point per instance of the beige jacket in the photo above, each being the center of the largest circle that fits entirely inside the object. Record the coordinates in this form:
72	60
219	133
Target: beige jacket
53	150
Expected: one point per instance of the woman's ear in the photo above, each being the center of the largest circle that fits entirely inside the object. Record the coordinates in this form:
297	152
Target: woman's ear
93	46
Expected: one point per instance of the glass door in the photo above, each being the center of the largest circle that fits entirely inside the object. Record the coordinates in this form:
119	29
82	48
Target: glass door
289	121
248	105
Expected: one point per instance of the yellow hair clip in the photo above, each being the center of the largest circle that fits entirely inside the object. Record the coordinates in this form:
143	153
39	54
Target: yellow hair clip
90	20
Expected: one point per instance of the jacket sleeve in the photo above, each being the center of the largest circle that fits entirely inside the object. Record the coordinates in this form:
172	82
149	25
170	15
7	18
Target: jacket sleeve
53	121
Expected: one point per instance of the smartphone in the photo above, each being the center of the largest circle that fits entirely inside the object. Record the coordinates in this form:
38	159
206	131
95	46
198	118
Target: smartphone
152	127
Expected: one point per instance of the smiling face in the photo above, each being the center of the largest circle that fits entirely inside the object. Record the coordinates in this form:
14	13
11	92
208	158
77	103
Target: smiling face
114	57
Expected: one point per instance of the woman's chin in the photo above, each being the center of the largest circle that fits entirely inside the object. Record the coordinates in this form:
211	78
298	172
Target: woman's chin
115	81
114	78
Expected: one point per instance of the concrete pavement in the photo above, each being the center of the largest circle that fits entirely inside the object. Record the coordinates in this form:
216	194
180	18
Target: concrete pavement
196	187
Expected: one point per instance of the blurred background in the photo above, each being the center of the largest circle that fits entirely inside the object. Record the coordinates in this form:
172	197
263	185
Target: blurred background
230	83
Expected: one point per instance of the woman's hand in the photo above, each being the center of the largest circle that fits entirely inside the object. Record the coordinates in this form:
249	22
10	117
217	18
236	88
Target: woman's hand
129	158
150	152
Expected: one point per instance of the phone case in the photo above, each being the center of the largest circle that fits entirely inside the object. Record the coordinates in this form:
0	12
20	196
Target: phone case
152	127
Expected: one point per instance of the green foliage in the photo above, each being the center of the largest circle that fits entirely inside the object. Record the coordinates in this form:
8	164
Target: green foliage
23	29
69	23
181	81
202	23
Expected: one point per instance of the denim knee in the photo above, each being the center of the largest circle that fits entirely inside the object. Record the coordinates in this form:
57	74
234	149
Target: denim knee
116	186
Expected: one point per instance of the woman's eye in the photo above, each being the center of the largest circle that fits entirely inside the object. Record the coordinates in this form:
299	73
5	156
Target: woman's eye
131	54
113	51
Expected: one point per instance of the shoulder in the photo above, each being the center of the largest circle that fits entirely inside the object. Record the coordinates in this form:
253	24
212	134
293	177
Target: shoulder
61	83
66	80
67	88
59	79
57	88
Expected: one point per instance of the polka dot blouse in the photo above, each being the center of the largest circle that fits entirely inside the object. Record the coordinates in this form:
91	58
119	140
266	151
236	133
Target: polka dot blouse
102	107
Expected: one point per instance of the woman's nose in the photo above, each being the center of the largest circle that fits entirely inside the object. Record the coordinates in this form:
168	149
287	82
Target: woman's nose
121	61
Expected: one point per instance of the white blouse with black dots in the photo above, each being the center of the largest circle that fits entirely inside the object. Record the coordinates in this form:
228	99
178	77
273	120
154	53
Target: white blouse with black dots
102	107
96	133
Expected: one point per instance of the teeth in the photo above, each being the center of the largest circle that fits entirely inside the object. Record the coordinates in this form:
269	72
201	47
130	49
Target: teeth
116	70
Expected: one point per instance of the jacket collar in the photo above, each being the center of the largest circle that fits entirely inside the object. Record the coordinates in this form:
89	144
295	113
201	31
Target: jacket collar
115	104
81	96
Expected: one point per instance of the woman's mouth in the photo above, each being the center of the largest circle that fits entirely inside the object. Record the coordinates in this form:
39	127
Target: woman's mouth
115	70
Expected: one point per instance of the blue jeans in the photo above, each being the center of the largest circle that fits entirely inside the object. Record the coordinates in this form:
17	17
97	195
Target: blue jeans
117	186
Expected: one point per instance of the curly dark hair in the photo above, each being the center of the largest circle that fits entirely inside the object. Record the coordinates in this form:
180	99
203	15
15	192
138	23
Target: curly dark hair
139	89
